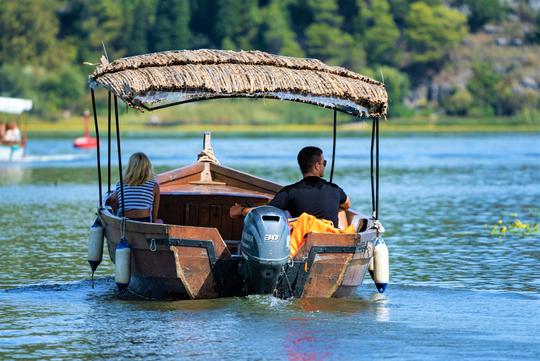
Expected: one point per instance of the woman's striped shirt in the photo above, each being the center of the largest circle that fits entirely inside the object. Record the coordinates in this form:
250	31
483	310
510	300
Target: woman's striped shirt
137	197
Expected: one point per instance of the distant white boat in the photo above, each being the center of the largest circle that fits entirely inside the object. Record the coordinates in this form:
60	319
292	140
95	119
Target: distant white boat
12	145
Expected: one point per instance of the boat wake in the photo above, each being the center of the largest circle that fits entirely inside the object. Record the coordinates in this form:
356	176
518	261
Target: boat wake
53	158
101	286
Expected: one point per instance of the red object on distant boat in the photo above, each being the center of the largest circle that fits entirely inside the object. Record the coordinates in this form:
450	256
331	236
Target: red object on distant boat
86	141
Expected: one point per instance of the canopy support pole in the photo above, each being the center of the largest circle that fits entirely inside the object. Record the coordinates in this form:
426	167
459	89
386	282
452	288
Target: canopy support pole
18	121
109	145
373	212
25	129
377	173
333	147
97	140
119	154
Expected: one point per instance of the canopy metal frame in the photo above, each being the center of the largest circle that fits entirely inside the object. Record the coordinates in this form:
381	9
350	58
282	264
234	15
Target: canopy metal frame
374	153
336	107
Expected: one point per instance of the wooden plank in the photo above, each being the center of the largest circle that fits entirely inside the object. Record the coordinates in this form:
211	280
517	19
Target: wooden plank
202	233
215	216
326	274
243	180
356	269
193	268
191	217
237	228
185	174
169	210
212	189
146	263
204	215
325	239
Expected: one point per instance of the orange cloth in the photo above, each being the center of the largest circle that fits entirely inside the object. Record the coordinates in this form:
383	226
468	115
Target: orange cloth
306	224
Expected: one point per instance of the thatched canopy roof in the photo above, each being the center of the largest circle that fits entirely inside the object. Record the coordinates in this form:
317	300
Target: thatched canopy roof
158	80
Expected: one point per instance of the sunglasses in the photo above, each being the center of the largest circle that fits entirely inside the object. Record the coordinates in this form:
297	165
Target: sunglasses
324	163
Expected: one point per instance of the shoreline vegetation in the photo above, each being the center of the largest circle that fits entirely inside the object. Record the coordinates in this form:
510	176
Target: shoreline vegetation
248	117
72	128
462	58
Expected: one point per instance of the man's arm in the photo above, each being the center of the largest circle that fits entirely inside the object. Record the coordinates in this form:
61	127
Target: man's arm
280	201
238	211
345	205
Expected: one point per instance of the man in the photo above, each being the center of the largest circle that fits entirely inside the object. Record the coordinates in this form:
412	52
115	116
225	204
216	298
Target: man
312	194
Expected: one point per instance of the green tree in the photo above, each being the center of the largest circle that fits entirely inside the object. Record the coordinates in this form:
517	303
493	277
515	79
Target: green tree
482	12
350	10
171	28
458	103
431	31
90	25
397	86
325	12
61	90
236	24
203	16
226	20
16	80
399	9
334	46
382	35
28	33
325	40
301	16
485	85
534	35
275	35
141	22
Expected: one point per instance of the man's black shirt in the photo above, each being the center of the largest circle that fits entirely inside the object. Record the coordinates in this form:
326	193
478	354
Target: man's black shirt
312	195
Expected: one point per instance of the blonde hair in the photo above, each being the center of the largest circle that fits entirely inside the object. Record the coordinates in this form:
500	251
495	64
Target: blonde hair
139	170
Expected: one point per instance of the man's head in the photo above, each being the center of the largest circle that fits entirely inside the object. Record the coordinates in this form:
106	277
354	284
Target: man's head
311	161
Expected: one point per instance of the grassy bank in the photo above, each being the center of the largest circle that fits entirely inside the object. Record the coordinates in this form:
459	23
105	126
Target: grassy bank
266	117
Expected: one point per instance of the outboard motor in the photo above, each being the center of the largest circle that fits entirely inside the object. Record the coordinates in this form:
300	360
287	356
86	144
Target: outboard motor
265	248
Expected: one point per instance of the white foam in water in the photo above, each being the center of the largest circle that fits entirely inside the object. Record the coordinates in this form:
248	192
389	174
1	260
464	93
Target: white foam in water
53	157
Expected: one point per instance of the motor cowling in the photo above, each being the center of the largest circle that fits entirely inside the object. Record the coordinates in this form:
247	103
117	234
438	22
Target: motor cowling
265	248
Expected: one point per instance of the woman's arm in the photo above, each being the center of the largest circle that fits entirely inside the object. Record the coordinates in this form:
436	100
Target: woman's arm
112	201
155	206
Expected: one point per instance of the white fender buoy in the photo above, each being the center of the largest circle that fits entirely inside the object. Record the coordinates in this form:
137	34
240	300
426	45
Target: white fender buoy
371	267
122	270
379	266
95	246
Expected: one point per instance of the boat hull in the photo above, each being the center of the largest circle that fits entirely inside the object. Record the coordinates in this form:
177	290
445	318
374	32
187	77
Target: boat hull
182	262
85	142
10	153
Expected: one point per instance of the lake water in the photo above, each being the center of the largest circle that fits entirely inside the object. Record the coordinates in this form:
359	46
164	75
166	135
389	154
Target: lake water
457	291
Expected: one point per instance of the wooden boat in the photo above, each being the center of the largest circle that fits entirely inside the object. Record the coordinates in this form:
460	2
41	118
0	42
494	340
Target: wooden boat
195	253
13	150
10	153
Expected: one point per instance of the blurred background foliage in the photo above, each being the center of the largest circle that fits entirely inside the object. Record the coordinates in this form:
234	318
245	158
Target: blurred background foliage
455	57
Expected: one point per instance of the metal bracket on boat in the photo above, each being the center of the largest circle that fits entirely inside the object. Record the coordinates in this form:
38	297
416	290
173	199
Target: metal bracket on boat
208	245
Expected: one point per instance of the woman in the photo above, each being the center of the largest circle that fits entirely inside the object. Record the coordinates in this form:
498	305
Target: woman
2	132
141	191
